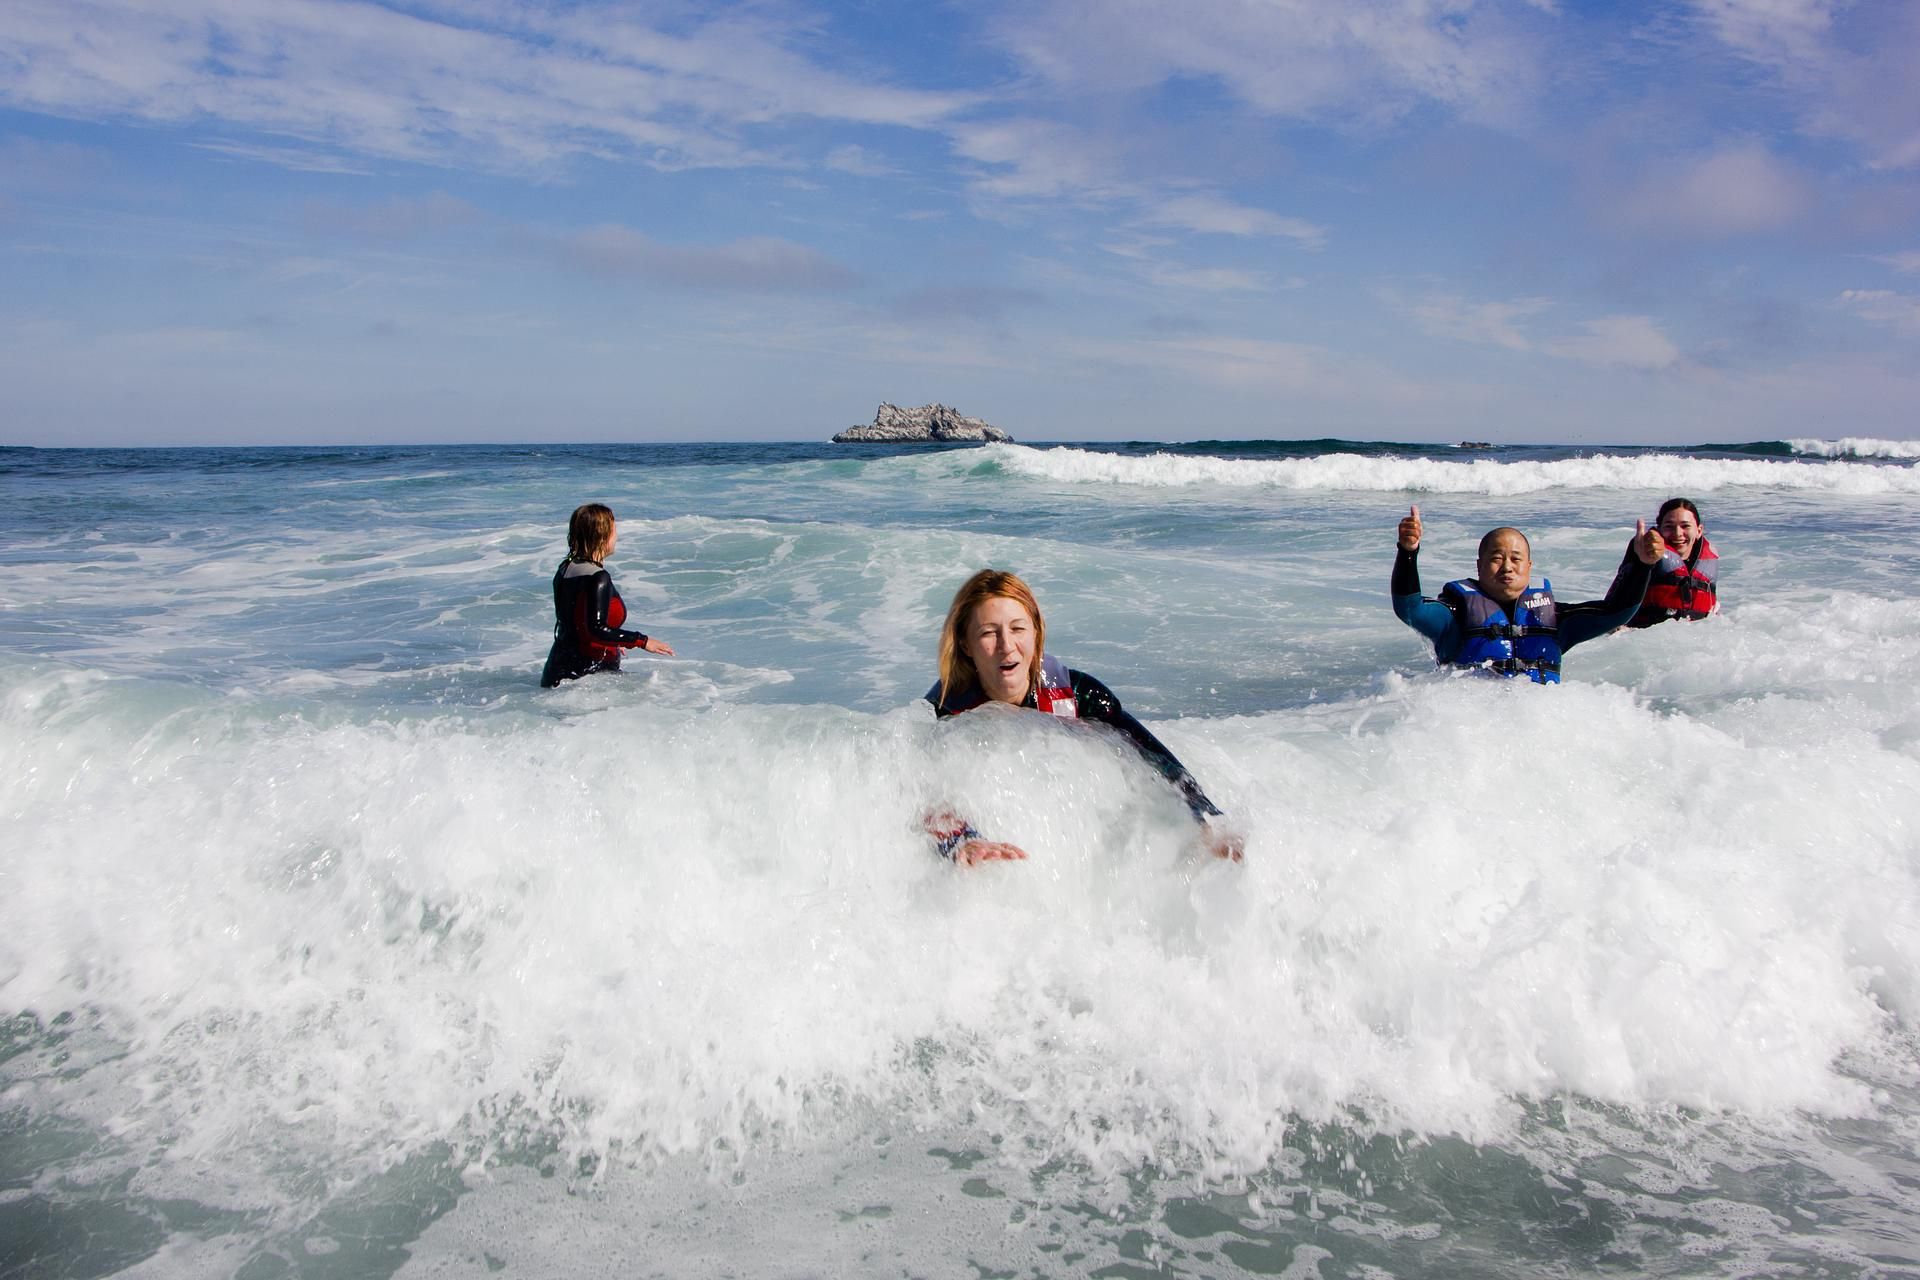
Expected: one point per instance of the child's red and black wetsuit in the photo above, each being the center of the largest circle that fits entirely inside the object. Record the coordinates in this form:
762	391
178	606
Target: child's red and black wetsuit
586	630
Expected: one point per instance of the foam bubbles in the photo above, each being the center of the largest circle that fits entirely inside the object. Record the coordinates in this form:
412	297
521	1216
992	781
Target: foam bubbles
645	930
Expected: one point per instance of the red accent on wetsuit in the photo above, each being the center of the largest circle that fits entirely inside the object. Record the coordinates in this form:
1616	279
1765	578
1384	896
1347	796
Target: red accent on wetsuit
608	654
1056	701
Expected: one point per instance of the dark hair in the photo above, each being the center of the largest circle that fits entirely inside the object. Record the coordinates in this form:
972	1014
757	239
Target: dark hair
956	668
1677	504
1487	540
588	531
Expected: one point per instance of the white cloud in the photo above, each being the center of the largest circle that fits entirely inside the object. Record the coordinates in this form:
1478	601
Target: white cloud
1903	262
1628	342
1483	323
1136	248
1735	190
298	159
1883	306
1211	214
1771	31
1350	62
1849	67
1617	341
1033	158
1048	159
530	91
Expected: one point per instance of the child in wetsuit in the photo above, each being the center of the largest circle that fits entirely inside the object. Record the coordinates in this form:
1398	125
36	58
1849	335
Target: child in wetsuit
588	612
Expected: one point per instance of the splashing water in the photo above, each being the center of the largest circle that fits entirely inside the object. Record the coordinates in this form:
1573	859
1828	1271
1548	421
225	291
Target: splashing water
332	946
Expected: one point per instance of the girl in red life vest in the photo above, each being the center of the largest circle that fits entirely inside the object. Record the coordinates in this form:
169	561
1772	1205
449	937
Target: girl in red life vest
588	612
1686	580
993	649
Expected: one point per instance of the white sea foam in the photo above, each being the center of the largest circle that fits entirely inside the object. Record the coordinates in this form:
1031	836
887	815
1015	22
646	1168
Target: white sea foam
1857	447
652	932
1370	474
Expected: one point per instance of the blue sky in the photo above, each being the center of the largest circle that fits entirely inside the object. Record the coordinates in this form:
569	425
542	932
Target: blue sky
287	221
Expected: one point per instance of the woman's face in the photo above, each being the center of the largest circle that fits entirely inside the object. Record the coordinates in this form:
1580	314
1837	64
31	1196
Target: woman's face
613	536
999	639
1681	530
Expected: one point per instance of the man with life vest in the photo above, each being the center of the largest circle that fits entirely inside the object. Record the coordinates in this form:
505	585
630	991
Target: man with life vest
588	614
1498	622
1686	581
993	649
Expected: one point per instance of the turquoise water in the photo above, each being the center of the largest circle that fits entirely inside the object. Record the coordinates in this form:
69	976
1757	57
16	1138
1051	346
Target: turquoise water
333	946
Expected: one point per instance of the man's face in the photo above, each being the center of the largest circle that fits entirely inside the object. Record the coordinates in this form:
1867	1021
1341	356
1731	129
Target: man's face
1505	567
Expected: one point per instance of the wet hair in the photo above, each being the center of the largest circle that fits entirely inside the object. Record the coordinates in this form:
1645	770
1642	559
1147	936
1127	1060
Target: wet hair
1677	504
956	668
1491	534
588	530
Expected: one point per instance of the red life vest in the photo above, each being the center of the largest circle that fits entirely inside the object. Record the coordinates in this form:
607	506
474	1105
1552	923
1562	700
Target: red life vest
1683	590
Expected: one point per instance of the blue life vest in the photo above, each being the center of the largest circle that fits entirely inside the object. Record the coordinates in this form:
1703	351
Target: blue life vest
1527	642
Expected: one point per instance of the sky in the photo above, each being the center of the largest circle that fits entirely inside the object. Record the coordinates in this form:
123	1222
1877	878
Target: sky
334	221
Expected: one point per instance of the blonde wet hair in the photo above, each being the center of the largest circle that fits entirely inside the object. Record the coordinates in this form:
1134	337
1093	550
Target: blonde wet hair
588	530
956	668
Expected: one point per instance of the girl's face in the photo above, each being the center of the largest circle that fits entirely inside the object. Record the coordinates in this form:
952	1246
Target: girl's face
1681	530
613	536
999	640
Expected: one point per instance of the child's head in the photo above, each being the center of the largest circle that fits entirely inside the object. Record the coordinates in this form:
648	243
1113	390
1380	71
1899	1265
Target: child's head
1505	564
590	532
1679	524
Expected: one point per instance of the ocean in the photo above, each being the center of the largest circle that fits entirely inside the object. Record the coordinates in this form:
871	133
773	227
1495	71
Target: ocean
332	946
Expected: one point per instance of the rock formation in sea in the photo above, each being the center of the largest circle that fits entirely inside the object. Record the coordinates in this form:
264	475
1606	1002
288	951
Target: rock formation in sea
891	423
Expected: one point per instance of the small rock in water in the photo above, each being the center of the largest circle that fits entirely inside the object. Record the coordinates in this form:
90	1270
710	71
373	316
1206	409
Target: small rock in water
891	423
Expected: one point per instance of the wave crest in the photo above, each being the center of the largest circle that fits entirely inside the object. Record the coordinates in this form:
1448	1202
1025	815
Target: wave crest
1351	472
1857	447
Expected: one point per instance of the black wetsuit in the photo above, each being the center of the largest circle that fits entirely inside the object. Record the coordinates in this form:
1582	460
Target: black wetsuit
587	615
1096	702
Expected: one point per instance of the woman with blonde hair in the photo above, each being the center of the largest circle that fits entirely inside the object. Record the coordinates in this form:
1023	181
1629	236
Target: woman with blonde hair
993	649
588	612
